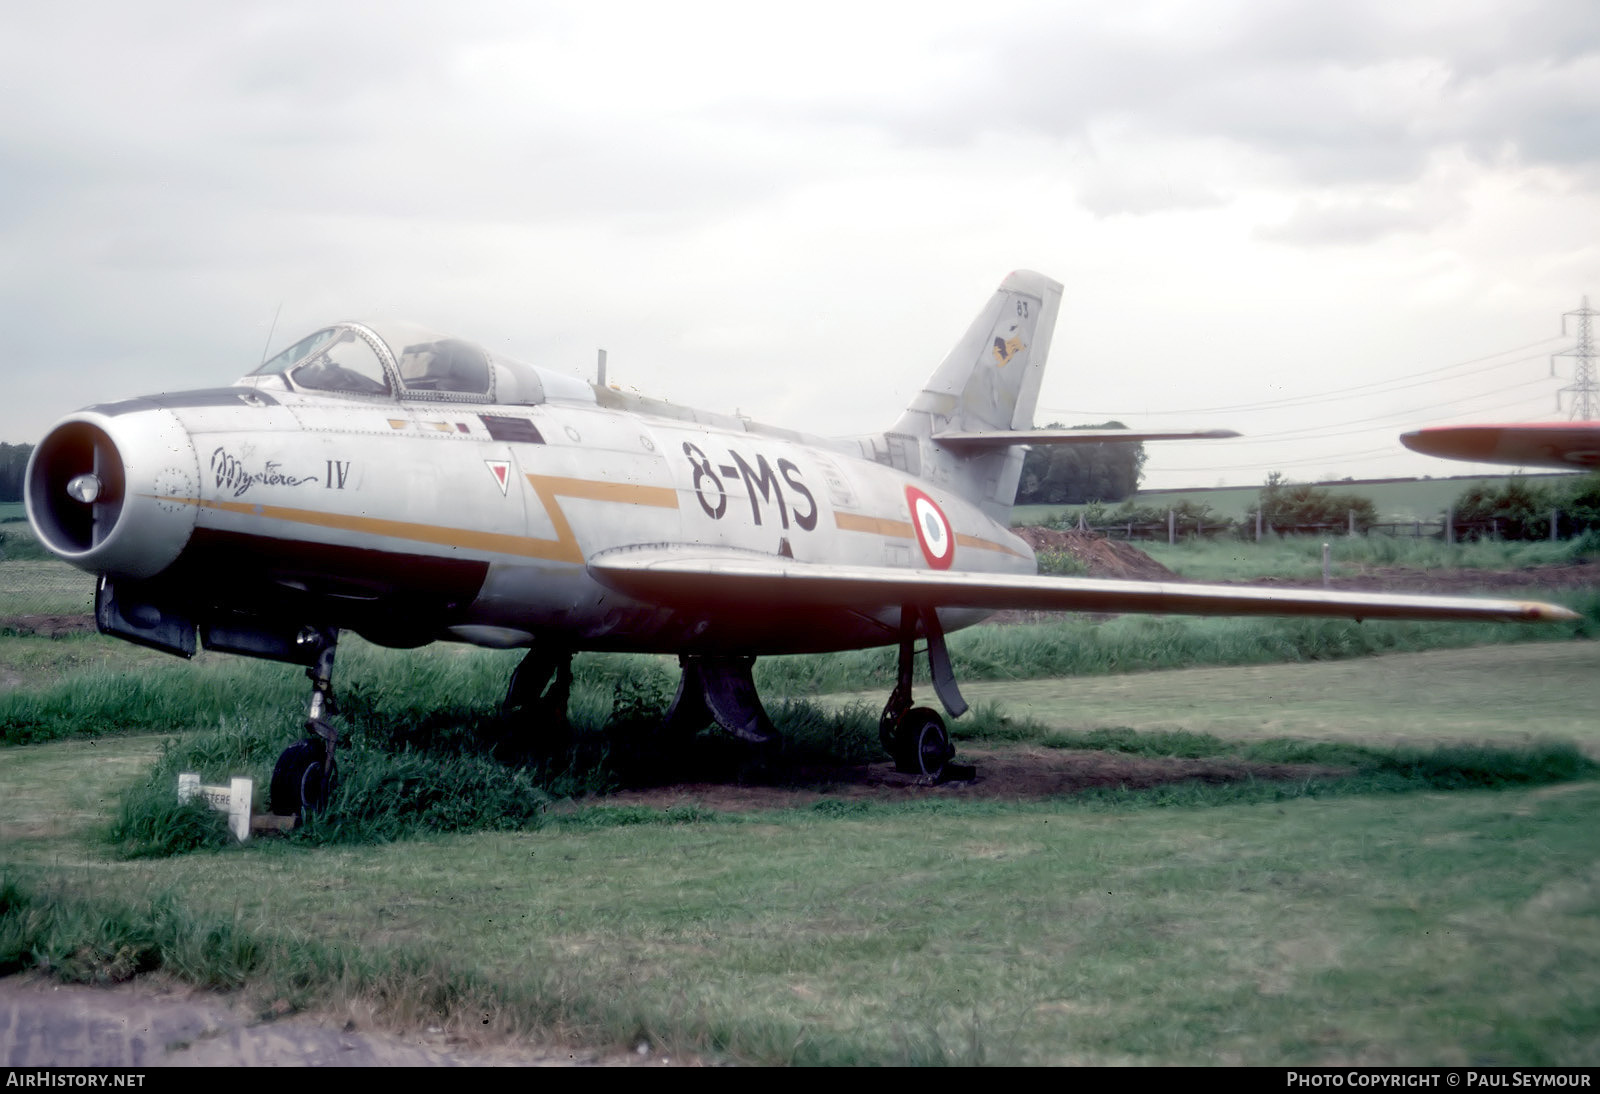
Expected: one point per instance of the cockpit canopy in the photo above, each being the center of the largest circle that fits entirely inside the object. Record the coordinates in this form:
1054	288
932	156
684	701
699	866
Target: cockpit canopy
402	360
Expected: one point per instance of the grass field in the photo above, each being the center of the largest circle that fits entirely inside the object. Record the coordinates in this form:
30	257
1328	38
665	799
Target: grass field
1301	556
30	587
1318	928
1413	500
1488	694
1426	891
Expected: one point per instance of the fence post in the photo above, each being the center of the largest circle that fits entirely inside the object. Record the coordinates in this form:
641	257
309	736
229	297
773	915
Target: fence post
1258	526
1172	528
1327	565
1555	515
1449	525
1351	513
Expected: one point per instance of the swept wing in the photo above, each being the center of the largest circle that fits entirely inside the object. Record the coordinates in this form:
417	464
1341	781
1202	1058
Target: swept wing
695	575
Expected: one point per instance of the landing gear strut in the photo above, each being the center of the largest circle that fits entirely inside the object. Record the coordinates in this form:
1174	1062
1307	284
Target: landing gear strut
536	703
305	774
915	737
721	690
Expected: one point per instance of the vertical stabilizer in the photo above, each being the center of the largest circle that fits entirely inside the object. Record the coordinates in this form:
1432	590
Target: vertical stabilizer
990	381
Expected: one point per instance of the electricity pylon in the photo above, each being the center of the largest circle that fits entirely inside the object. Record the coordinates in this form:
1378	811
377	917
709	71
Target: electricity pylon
1584	389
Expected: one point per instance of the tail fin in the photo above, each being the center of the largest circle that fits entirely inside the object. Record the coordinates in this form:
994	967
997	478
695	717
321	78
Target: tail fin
989	382
991	379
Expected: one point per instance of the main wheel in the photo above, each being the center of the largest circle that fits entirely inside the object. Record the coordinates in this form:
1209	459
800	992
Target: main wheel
922	745
299	784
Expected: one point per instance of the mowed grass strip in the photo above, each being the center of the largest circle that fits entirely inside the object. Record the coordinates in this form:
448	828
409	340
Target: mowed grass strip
1421	928
1353	556
92	685
1424	929
1503	695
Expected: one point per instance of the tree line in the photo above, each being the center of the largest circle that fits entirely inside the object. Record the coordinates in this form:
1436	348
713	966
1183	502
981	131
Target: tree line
1074	474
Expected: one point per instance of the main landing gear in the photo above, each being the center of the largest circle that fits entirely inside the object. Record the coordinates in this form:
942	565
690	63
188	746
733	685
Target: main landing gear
915	737
721	689
305	774
535	710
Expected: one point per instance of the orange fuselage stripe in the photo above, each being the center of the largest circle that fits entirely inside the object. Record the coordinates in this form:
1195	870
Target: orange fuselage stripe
564	548
901	529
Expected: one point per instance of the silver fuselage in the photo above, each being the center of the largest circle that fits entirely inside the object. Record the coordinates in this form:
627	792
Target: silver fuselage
411	517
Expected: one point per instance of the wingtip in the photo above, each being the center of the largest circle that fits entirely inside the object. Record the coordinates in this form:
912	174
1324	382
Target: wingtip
1537	612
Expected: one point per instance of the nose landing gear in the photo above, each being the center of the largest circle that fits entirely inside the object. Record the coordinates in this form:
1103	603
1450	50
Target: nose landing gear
305	774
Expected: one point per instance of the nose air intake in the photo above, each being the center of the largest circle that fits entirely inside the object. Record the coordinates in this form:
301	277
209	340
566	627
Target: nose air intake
76	488
114	495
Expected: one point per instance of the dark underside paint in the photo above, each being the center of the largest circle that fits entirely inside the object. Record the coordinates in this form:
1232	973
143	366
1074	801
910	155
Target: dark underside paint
340	586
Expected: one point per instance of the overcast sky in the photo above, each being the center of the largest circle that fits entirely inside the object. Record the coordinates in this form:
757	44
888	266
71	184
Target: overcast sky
1320	224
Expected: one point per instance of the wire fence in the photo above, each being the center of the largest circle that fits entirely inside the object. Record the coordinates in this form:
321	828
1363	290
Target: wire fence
32	583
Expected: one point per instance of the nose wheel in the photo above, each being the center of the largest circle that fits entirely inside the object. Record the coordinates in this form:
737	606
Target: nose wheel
303	778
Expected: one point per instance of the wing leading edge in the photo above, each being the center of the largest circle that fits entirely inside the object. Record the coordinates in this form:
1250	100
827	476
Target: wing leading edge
995	438
695	575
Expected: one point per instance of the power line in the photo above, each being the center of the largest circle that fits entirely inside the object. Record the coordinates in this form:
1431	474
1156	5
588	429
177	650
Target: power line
1376	387
1308	433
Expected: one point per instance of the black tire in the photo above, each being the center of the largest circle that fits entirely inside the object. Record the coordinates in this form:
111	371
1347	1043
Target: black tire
922	743
299	785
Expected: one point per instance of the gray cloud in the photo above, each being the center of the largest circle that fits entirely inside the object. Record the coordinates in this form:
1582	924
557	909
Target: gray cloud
1358	220
1332	94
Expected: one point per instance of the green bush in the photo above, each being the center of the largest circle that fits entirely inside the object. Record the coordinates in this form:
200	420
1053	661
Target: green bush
1518	509
1286	506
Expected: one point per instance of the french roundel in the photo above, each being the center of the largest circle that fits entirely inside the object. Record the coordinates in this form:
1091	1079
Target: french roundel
933	529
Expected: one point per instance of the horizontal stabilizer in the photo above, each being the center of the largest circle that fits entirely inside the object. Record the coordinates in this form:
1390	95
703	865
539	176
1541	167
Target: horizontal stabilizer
695	577
994	438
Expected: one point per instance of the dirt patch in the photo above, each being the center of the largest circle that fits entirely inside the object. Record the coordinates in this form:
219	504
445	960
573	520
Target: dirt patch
152	1021
47	626
1099	556
1011	774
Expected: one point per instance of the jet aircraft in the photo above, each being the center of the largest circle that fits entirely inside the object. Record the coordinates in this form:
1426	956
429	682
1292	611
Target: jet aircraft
410	487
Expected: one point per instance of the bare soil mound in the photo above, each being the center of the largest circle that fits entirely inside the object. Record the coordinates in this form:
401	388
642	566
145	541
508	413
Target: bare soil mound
1100	557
